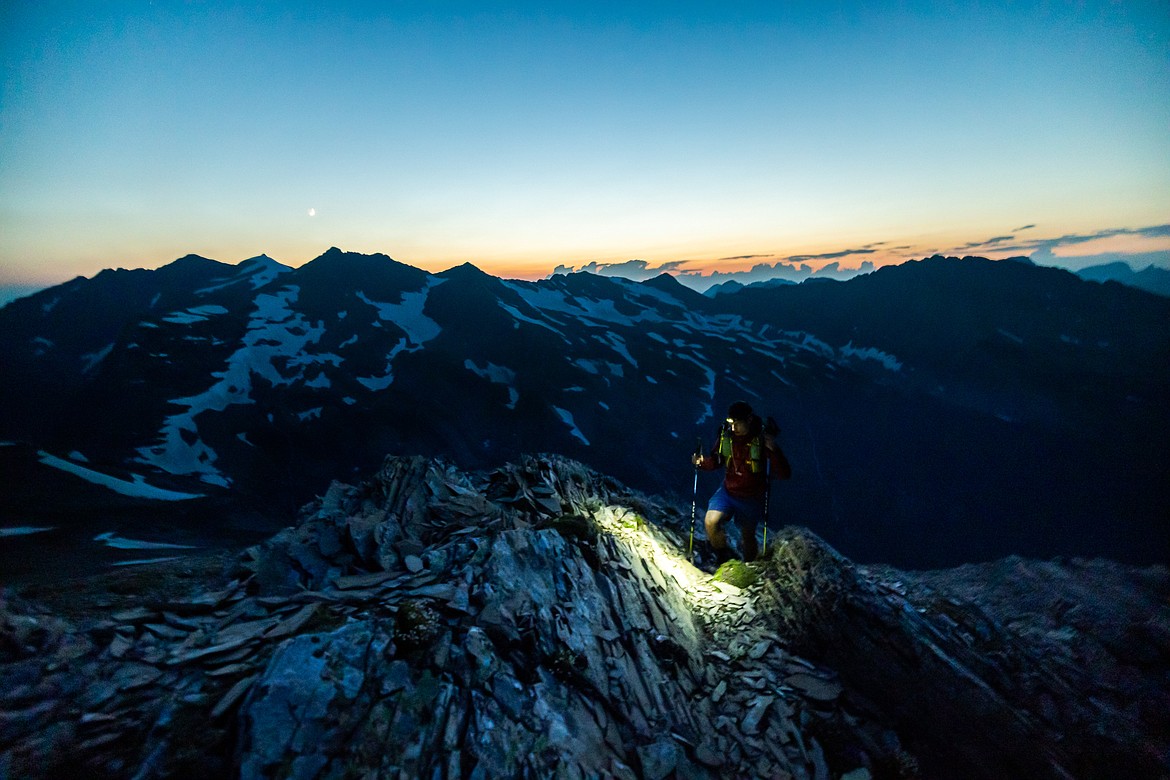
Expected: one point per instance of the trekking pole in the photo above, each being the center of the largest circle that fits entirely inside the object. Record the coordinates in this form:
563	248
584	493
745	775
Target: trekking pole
767	496
775	430
694	502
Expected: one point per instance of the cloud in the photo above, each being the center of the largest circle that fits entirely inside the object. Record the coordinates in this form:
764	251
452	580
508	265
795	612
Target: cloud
743	257
1074	239
1080	250
830	255
790	269
1143	246
1153	231
636	270
991	242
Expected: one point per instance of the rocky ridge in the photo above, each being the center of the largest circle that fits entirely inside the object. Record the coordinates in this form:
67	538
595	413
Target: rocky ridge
543	620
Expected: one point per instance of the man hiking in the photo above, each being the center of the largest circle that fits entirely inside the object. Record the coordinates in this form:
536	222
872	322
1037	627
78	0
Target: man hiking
751	455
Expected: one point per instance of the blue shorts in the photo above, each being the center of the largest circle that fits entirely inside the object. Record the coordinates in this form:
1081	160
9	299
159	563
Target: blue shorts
749	512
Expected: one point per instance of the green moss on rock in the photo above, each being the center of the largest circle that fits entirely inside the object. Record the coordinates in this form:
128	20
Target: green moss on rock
736	573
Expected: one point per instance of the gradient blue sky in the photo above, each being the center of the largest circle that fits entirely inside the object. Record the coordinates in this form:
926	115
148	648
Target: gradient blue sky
699	137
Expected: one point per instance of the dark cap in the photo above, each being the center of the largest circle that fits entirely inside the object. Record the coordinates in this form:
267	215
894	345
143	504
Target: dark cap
740	410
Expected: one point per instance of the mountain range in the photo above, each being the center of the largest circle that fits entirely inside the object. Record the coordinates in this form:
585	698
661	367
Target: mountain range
1151	278
938	412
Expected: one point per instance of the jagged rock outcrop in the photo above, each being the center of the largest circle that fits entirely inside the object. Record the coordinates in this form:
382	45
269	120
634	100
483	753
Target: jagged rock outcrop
539	620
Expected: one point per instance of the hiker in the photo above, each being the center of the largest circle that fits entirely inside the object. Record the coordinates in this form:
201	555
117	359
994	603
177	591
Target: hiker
749	450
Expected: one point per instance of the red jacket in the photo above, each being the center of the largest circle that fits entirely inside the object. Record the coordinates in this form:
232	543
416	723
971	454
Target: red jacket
740	480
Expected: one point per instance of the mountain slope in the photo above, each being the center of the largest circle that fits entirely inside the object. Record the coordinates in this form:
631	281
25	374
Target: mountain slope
937	412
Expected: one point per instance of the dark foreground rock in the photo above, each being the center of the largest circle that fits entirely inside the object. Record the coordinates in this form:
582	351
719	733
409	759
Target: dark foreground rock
543	621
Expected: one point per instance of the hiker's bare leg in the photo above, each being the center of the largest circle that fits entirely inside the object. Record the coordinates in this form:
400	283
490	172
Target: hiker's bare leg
713	523
751	548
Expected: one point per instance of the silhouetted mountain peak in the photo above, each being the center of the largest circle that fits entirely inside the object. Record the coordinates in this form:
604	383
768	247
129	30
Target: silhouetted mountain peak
724	288
194	263
667	283
1151	278
191	257
465	271
377	274
261	259
336	258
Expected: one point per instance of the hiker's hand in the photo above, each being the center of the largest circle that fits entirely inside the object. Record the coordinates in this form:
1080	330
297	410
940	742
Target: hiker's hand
697	460
771	431
769	441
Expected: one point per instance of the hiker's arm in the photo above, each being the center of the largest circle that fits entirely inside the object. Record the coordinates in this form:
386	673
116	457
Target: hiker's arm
708	462
781	468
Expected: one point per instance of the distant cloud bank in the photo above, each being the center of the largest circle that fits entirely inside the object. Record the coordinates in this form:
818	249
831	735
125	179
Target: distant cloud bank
1138	247
794	268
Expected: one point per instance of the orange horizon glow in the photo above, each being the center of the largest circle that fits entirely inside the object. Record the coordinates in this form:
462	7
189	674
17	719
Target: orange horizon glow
537	263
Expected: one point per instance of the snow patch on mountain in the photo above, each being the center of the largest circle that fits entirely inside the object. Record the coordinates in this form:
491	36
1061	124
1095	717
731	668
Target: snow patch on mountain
545	299
24	530
776	375
1007	334
138	488
602	368
111	539
770	351
618	345
656	297
259	271
194	314
408	314
91	361
144	561
497	375
708	388
567	418
276	334
870	353
521	317
810	343
378	383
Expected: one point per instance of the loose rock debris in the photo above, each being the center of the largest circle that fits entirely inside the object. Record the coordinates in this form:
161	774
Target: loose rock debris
538	620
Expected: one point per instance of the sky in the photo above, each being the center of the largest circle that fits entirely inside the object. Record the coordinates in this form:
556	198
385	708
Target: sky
712	140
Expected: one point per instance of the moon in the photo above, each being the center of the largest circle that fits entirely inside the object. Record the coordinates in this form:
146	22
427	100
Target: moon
312	212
